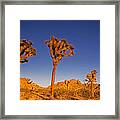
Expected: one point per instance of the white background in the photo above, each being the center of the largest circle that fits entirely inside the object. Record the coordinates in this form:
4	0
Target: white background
106	15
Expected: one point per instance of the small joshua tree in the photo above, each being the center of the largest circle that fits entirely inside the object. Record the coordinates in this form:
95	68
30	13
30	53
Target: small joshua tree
91	79
26	50
58	50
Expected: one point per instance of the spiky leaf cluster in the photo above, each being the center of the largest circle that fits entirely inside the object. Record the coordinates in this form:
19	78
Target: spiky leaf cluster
59	49
91	76
26	50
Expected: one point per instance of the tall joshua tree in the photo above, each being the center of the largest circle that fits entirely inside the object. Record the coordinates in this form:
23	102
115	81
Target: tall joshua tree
91	79
58	50
26	50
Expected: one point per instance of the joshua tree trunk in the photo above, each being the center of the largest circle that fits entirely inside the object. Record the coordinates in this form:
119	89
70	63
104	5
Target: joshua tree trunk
53	79
92	90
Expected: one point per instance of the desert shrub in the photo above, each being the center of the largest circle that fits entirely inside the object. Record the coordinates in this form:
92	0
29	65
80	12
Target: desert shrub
85	93
97	95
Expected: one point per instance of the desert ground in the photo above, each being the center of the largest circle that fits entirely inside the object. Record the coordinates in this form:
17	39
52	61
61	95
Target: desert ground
66	90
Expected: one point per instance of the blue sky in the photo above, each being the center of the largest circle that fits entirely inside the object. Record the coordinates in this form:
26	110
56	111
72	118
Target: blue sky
84	35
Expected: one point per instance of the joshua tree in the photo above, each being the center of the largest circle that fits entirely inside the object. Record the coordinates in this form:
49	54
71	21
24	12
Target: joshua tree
91	79
58	50
26	50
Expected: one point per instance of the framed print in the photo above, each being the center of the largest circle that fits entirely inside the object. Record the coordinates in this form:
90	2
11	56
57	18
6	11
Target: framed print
60	59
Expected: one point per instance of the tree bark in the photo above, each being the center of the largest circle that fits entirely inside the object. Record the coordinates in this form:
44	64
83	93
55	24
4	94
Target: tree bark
53	79
92	90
